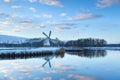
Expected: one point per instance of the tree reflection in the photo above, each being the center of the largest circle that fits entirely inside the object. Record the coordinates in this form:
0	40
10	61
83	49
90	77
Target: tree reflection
89	53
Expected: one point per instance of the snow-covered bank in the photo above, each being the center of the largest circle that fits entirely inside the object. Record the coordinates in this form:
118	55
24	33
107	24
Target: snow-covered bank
13	48
52	49
31	50
102	48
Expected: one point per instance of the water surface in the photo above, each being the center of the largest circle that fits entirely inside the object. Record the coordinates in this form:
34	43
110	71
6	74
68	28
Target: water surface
84	65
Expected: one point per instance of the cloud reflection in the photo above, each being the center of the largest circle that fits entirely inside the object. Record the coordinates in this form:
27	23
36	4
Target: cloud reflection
80	77
5	71
25	71
47	78
62	67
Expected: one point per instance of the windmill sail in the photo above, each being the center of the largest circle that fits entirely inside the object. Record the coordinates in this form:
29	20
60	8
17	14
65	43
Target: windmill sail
50	33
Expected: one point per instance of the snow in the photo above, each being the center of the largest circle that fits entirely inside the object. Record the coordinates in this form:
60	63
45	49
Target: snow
11	39
102	48
53	49
20	50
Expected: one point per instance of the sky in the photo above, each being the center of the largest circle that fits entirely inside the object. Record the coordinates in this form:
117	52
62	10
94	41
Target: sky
67	19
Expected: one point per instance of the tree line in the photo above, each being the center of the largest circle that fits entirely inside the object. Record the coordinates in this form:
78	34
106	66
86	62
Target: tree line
88	42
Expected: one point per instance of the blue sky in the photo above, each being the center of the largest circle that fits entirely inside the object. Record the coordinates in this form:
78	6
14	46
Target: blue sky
67	19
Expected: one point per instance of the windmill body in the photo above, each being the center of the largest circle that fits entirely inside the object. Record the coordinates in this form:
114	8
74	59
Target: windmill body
47	39
46	42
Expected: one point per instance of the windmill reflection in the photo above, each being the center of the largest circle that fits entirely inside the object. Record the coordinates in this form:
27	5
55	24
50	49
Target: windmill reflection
89	53
48	58
59	53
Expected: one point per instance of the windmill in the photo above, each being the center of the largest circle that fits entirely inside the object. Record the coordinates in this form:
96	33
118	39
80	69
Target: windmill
48	39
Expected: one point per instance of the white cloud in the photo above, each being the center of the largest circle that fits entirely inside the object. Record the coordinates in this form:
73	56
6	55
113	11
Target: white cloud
26	22
4	15
7	22
59	28
51	22
47	78
63	14
16	15
18	28
62	79
47	15
42	26
106	3
15	30
37	15
7	1
51	2
15	6
12	78
64	26
32	9
32	1
84	16
5	32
